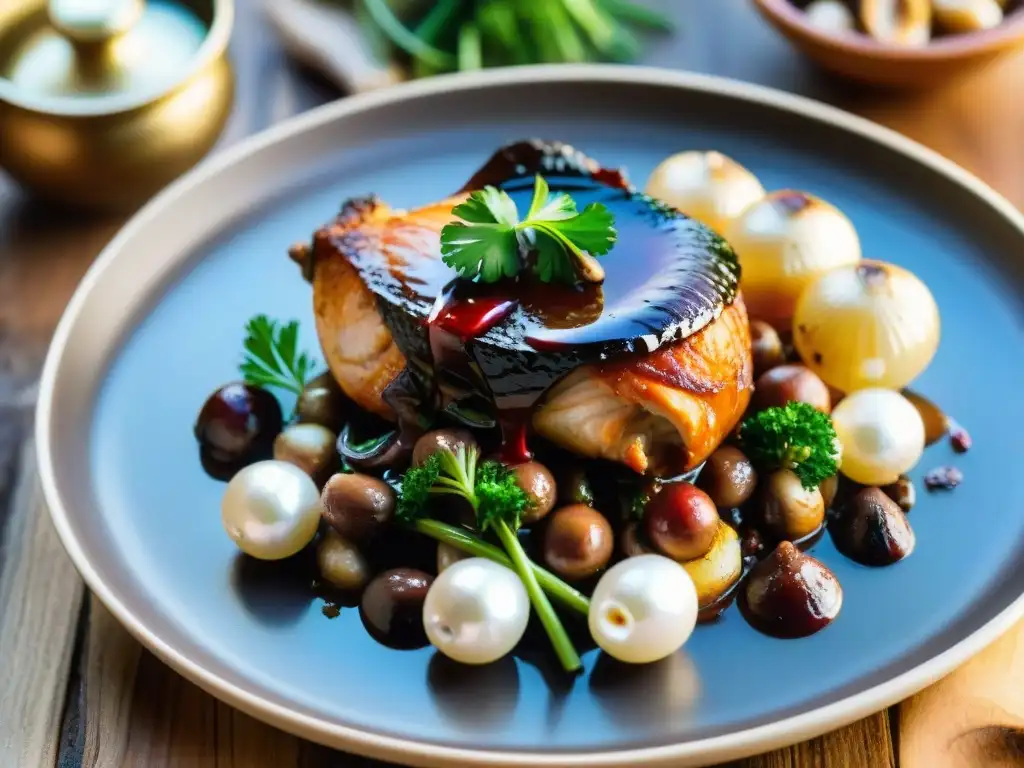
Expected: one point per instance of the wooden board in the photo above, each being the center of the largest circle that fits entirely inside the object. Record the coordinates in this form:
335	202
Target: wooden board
78	691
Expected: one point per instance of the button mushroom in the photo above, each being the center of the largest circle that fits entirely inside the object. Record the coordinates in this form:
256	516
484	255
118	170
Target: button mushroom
357	506
790	594
440	439
539	484
310	447
392	608
789	510
898	22
871	529
790	383
578	542
322	402
728	477
341	565
765	346
681	521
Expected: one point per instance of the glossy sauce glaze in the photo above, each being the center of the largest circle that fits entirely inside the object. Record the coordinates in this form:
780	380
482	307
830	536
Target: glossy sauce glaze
484	354
499	347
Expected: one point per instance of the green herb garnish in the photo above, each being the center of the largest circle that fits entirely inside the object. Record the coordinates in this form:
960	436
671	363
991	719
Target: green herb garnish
443	35
796	436
490	241
499	503
272	358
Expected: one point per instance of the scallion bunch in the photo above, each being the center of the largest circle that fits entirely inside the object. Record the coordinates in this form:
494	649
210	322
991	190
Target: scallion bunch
456	35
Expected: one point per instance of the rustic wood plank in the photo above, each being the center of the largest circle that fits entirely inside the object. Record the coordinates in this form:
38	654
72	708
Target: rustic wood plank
173	723
40	595
973	717
109	667
865	744
125	708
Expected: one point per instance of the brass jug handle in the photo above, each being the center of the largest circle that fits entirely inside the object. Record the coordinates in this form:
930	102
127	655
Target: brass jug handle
89	22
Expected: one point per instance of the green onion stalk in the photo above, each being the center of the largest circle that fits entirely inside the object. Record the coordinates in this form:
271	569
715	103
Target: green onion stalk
498	502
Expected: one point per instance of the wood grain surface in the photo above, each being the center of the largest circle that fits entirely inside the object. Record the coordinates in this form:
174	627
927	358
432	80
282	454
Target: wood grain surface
76	690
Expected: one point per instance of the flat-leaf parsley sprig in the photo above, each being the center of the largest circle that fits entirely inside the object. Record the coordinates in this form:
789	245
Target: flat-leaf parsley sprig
272	357
499	503
490	240
796	436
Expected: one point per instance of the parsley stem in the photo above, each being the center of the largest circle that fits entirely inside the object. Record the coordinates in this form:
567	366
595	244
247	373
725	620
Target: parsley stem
464	540
552	624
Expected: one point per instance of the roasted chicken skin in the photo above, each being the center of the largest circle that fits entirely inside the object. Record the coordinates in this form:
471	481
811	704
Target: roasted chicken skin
660	413
357	343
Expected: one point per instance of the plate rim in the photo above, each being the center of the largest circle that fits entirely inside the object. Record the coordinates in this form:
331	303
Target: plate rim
718	748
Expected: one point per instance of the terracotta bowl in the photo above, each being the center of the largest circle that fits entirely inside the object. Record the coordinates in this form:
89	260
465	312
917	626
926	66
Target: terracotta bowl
858	57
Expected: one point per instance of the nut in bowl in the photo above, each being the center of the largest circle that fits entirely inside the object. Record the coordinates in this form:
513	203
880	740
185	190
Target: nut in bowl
899	44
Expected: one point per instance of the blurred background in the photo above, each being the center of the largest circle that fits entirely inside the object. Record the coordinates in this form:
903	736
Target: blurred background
103	102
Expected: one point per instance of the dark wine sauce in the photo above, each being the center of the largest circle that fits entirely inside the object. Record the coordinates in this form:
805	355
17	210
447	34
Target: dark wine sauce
469	317
515	428
504	344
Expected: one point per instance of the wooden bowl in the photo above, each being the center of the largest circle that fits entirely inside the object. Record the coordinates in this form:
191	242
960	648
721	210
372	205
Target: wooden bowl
858	57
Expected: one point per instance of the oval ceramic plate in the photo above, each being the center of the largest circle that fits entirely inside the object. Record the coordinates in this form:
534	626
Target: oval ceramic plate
157	324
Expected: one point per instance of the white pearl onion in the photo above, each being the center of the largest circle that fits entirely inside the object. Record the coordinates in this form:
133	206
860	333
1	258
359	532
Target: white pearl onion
271	510
476	611
708	186
643	609
882	435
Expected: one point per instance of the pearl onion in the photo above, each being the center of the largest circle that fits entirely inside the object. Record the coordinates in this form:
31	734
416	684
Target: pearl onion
707	186
643	609
271	510
882	435
783	242
476	611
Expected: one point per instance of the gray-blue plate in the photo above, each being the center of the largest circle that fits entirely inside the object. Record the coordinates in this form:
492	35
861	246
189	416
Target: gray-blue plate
157	324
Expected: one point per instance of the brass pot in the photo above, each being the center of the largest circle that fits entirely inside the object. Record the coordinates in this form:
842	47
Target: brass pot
103	109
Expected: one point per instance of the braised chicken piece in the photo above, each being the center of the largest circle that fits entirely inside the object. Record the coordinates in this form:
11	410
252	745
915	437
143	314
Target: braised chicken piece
651	369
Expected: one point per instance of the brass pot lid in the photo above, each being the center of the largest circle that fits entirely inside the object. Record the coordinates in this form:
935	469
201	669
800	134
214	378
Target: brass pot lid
98	56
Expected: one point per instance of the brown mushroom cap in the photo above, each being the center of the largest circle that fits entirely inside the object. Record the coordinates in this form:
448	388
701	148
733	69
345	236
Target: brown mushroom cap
790	594
872	529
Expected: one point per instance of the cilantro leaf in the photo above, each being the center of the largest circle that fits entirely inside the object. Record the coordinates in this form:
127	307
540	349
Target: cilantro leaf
547	208
592	230
489	205
488	250
551	265
489	240
271	356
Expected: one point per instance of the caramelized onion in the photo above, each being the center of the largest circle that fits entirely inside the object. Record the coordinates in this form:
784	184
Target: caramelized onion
783	242
708	186
870	324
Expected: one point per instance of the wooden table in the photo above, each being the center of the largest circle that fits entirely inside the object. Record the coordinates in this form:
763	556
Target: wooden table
76	690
